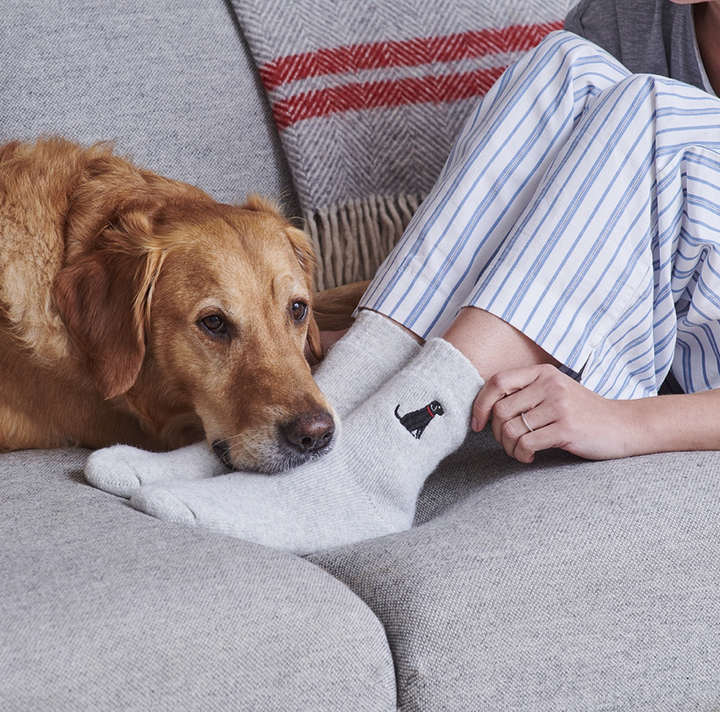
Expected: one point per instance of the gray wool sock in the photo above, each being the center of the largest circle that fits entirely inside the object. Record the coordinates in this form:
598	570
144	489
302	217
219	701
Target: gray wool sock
366	487
373	349
121	469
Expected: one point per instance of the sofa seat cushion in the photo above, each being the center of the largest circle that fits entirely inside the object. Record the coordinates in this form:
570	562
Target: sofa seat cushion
561	585
104	608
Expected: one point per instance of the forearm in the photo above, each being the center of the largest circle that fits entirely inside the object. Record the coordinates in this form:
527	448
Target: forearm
538	408
672	423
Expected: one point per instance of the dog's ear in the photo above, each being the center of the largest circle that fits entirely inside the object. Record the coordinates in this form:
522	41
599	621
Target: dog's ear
262	205
103	298
103	291
303	250
112	191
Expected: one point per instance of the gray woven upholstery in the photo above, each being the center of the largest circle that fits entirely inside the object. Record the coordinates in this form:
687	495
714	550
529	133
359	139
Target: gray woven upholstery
105	608
565	585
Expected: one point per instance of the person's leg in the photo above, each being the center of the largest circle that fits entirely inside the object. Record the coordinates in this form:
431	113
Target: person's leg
305	507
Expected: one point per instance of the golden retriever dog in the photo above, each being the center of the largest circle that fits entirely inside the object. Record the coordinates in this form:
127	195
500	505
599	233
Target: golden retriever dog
135	309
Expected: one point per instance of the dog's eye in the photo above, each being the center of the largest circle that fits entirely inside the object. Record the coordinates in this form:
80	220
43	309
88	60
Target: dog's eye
214	324
299	310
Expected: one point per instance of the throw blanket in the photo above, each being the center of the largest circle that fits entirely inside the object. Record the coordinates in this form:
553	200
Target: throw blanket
368	98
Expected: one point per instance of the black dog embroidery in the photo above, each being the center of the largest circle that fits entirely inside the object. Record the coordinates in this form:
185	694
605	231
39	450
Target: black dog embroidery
417	420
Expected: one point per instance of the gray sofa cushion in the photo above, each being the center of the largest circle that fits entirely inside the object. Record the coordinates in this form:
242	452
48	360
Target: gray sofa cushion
561	585
105	608
170	82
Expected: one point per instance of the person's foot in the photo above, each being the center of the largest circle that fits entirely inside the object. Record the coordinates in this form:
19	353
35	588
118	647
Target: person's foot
121	469
366	487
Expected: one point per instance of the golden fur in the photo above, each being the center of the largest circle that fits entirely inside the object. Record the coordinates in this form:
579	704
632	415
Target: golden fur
135	309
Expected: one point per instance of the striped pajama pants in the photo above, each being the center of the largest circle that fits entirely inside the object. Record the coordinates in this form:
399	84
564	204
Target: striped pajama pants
581	204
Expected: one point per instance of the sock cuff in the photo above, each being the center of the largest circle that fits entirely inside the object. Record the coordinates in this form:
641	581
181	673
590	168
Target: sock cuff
450	364
373	327
449	373
373	350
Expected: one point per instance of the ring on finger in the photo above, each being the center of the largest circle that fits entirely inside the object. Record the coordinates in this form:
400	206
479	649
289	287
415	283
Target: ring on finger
527	425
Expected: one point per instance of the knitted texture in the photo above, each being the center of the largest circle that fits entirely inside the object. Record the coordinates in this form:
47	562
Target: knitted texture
368	99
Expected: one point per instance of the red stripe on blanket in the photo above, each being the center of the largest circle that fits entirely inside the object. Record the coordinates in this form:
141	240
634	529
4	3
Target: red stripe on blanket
374	95
407	53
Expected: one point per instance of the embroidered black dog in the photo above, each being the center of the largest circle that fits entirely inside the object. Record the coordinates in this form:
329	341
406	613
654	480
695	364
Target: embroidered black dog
417	420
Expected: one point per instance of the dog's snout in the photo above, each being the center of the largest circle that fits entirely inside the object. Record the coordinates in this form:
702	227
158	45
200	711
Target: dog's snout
310	432
296	441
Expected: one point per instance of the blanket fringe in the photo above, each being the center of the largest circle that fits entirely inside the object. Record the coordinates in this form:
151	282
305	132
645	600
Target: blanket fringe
352	240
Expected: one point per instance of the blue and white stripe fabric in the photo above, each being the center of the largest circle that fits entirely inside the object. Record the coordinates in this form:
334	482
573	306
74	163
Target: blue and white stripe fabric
581	204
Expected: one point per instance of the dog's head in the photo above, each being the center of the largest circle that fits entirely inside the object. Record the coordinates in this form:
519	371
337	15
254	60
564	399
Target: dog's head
435	407
195	315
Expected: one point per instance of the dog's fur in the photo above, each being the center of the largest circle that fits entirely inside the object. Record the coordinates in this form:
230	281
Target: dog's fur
135	309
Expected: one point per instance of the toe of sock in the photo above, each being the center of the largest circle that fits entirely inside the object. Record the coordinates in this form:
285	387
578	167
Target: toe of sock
163	504
107	470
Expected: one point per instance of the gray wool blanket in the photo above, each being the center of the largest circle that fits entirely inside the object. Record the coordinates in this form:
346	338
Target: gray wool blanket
368	98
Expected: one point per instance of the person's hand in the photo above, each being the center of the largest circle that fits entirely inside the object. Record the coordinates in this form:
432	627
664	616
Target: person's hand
538	407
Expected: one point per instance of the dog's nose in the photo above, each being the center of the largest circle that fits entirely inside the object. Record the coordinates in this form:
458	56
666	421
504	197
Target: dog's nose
310	432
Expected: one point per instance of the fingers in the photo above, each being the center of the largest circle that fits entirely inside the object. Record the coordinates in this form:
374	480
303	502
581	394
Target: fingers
525	409
530	432
525	433
507	413
525	423
499	387
539	408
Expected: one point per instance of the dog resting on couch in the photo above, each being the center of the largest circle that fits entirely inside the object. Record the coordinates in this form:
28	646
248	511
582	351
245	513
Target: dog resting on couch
135	309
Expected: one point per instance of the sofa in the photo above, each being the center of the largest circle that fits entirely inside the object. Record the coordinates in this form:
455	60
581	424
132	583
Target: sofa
561	585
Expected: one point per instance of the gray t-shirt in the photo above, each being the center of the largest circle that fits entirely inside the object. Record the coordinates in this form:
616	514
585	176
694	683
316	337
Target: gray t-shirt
647	36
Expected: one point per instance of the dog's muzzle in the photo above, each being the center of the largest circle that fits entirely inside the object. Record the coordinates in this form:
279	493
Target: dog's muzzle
304	438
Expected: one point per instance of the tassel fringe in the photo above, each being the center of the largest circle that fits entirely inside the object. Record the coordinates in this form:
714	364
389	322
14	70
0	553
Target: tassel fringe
353	239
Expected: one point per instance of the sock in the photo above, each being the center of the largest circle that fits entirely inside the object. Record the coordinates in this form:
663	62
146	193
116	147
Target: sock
366	487
373	349
121	469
